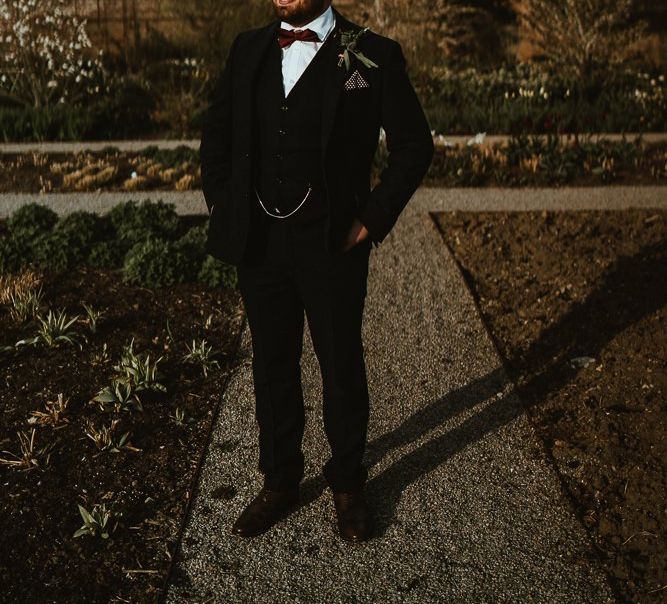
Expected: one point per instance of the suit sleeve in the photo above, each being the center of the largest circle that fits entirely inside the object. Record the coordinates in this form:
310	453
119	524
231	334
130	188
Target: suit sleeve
215	147
410	147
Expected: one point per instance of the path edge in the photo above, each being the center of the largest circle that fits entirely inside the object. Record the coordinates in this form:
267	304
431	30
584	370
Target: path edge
429	217
194	482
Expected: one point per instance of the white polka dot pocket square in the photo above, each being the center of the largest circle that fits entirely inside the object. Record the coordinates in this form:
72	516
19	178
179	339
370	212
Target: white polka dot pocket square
355	81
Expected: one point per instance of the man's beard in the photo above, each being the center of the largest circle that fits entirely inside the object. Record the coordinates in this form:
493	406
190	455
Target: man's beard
299	13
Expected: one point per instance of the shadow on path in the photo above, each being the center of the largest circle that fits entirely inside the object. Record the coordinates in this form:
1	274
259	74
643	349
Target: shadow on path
632	288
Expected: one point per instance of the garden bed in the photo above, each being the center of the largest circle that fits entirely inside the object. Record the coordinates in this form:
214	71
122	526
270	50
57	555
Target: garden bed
107	170
522	161
138	459
576	303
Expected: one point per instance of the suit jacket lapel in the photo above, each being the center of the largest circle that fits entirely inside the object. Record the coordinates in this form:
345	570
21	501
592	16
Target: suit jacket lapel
334	80
254	55
256	51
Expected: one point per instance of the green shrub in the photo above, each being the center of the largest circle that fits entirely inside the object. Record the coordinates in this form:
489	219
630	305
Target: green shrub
526	98
25	228
171	157
82	229
134	222
62	248
106	254
216	273
135	237
124	112
31	219
194	241
193	247
58	123
15	253
38	238
52	252
154	263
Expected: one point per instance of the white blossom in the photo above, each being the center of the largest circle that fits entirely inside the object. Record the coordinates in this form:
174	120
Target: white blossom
41	44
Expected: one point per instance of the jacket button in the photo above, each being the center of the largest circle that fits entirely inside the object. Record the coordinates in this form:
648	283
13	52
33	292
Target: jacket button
284	107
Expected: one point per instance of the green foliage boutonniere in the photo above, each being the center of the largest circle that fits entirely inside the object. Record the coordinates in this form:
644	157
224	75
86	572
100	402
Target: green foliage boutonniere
348	41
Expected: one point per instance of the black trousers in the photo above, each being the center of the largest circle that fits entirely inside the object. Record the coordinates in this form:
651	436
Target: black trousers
288	271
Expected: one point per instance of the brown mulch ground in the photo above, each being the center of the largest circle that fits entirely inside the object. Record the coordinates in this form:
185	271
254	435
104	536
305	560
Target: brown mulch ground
576	303
40	560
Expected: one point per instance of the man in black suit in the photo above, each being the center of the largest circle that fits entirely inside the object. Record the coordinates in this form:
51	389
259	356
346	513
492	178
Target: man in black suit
286	155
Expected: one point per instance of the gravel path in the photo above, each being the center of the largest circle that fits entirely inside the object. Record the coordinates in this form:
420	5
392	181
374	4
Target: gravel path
137	145
427	198
469	508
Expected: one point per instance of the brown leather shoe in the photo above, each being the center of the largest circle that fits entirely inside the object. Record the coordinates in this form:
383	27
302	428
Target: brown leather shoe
267	508
355	522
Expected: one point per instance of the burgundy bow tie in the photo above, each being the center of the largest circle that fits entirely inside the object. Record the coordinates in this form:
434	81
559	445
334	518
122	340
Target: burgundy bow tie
287	36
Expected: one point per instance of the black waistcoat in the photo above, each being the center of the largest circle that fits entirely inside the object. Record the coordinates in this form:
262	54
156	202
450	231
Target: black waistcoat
287	138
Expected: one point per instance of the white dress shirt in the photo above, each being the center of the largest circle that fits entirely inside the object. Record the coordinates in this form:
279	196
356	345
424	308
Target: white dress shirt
297	56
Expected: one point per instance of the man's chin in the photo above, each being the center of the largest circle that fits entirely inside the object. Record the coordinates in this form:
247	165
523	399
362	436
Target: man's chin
287	12
292	12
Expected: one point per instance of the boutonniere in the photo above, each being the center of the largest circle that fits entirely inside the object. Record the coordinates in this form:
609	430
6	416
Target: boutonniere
348	42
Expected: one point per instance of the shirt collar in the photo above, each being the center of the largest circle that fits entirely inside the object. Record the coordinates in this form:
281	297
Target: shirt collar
321	25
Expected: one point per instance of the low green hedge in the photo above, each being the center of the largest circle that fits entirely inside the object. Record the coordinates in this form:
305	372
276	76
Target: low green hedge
146	241
123	113
517	98
525	98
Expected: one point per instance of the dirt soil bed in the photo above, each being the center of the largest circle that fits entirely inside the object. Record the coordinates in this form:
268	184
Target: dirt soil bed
102	171
460	166
576	303
40	560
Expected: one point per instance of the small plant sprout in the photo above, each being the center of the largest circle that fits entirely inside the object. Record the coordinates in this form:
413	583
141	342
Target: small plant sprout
121	395
104	438
100	358
169	340
54	415
92	317
202	354
24	303
30	457
178	417
209	321
54	328
138	370
95	522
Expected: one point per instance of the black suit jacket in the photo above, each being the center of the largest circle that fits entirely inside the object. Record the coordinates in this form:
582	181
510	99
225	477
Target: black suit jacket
351	121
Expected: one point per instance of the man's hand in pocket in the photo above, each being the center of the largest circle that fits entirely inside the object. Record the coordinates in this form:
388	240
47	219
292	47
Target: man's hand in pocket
357	233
